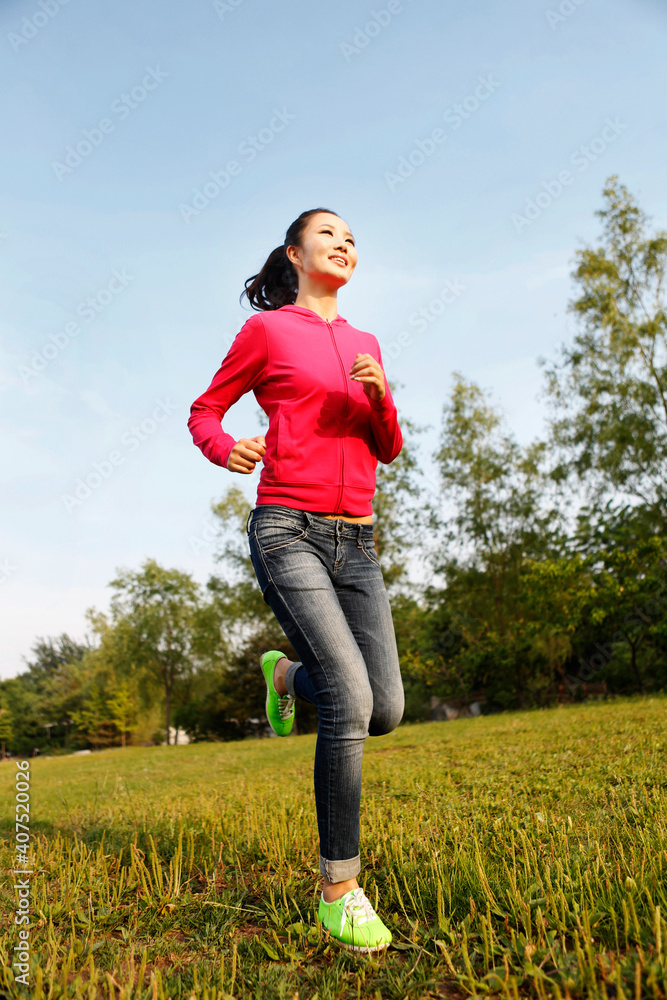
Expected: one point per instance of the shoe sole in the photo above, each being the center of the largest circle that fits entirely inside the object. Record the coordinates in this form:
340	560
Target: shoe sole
363	951
366	950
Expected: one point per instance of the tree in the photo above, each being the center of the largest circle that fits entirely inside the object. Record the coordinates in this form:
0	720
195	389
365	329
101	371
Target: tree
156	613
123	711
608	391
629	611
50	656
6	728
93	720
53	686
113	662
498	510
501	512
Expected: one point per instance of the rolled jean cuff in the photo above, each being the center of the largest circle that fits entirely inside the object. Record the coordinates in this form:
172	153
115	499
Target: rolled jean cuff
340	871
289	677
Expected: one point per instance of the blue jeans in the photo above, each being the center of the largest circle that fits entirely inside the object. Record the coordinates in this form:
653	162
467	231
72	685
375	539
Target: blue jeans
323	582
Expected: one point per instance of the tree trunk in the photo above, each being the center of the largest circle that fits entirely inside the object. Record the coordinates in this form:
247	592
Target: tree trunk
167	700
634	646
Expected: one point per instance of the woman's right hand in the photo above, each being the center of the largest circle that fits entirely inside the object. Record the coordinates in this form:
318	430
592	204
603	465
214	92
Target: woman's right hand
245	455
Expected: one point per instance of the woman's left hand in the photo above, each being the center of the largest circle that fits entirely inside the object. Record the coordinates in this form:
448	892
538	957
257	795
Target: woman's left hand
369	371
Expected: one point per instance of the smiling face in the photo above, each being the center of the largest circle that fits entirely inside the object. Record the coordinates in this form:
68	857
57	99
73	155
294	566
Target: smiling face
327	254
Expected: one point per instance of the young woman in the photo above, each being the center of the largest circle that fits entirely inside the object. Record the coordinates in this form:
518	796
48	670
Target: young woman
331	419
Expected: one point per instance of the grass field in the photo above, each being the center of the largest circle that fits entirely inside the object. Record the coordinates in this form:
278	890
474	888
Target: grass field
513	855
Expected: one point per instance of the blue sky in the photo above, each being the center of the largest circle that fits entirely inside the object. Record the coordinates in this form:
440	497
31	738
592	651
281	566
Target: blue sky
119	301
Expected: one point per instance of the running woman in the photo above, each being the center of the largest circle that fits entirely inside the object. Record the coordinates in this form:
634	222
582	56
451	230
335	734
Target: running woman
331	419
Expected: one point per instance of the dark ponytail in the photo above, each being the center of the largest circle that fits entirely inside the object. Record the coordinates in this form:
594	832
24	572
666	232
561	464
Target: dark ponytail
277	284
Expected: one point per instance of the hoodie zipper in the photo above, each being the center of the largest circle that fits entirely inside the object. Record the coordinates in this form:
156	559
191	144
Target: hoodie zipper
342	423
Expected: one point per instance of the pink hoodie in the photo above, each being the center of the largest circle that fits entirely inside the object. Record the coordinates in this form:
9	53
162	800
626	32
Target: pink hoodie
325	434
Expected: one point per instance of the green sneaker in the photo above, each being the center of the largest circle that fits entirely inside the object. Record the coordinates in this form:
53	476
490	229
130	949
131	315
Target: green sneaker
353	922
280	710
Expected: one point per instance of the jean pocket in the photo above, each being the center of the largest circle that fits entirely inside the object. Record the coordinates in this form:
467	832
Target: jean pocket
368	548
276	533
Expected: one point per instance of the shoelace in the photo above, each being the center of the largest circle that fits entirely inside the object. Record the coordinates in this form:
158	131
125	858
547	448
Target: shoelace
285	706
362	904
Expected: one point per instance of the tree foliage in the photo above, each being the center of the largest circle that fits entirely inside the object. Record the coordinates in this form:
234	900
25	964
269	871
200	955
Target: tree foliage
161	618
608	390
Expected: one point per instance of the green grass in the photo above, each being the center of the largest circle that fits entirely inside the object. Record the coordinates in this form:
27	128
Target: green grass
515	855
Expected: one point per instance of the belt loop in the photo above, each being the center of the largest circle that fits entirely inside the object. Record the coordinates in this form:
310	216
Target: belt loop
252	511
309	519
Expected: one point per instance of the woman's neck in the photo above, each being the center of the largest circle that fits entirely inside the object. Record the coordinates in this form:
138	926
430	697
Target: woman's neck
324	305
